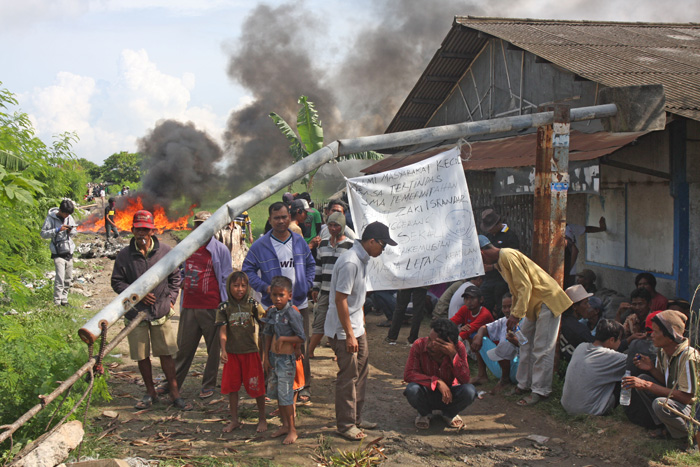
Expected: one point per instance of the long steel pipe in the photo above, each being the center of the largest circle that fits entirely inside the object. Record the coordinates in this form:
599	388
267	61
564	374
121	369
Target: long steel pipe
136	291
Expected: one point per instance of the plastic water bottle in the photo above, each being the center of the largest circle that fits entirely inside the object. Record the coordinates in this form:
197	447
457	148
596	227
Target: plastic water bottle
625	394
522	340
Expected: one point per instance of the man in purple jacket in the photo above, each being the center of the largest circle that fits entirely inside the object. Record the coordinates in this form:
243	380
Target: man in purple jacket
155	331
280	252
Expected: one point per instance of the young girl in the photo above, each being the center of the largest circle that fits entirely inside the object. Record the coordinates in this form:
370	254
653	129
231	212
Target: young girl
239	320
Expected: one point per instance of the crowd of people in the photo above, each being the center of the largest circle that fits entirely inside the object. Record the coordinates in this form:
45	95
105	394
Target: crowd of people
264	309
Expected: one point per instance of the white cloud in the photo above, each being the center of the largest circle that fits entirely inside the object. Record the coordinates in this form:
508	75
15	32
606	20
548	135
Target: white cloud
110	116
19	15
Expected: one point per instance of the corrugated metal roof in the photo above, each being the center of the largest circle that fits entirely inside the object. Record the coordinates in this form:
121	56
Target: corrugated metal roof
610	53
516	151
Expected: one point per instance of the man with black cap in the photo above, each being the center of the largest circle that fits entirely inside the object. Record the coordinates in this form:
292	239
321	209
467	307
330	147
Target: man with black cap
155	333
673	381
470	318
538	298
345	327
204	276
501	236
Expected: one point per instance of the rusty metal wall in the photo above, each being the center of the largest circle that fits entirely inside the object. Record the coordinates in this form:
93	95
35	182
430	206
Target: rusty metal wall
516	210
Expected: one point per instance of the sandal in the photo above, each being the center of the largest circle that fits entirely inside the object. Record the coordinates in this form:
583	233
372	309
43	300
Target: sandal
659	433
367	425
532	399
454	422
304	397
146	402
353	434
422	422
516	391
206	393
180	403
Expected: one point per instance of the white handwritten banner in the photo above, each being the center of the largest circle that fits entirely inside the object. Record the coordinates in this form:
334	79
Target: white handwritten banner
427	208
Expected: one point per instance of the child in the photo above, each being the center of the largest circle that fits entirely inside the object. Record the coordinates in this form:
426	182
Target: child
501	346
238	318
283	331
470	318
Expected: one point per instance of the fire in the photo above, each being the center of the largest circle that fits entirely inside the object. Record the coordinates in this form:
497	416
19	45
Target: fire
124	217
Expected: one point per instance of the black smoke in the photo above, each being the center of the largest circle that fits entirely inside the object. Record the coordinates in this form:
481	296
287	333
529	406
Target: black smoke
179	164
276	61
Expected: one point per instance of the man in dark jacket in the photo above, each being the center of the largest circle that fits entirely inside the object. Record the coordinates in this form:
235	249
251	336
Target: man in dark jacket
155	331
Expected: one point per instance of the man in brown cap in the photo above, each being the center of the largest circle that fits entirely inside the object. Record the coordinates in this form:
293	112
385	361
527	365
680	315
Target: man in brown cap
673	380
501	236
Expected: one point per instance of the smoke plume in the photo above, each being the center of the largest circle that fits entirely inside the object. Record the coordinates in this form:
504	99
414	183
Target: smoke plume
179	163
276	60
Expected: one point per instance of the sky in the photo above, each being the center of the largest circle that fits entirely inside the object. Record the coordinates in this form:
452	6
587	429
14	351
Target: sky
110	70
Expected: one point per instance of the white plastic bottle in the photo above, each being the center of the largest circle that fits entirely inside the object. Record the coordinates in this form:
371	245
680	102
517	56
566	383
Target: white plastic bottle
625	394
522	340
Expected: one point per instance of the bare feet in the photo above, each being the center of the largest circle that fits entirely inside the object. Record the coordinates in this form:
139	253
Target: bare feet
291	437
499	387
262	426
311	354
282	431
232	426
480	380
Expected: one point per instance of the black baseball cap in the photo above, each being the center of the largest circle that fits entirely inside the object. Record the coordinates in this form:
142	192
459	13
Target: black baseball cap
378	231
472	291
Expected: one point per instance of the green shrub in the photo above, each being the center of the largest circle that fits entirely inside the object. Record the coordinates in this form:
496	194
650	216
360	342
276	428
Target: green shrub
37	351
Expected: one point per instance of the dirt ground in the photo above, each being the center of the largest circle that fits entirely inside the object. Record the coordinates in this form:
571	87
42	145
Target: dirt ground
495	434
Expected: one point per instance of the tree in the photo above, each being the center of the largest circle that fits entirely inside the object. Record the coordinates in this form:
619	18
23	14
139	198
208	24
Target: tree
122	167
310	138
93	171
33	177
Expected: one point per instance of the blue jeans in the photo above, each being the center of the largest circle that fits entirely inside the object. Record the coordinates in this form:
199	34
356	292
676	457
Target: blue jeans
424	400
280	382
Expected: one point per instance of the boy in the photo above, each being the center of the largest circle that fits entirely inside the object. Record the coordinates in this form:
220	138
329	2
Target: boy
470	318
283	332
501	346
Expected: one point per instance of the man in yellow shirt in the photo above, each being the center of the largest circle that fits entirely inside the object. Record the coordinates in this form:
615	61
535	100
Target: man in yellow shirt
539	299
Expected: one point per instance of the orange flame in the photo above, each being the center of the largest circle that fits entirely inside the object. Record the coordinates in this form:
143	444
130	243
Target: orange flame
124	216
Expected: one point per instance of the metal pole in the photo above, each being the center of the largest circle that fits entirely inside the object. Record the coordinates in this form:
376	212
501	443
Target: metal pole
136	291
46	400
551	186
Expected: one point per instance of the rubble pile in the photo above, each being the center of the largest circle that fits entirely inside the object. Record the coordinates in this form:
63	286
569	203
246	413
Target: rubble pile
101	248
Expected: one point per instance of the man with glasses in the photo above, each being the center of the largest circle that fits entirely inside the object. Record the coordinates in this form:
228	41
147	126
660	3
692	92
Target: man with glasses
345	327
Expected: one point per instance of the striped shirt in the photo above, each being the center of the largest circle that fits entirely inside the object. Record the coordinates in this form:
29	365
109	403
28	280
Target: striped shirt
243	220
326	257
680	368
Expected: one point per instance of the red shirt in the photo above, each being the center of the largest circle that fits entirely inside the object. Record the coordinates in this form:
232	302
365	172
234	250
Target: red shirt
658	302
200	289
464	316
423	370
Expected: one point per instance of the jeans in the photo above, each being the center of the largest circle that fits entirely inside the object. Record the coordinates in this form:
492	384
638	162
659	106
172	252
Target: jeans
63	280
425	400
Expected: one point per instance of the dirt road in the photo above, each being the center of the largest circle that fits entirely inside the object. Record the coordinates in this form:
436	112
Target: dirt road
495	434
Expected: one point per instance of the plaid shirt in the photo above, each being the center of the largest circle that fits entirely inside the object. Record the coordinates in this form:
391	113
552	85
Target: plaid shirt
423	370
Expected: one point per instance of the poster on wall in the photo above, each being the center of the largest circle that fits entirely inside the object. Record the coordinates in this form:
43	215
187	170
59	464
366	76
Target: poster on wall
429	213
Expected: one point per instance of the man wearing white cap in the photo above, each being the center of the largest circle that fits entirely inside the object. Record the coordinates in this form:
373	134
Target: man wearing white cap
574	332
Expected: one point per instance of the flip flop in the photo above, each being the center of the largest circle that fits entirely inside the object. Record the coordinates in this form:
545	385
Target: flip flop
206	393
367	425
146	402
529	400
353	434
422	422
659	433
180	403
454	422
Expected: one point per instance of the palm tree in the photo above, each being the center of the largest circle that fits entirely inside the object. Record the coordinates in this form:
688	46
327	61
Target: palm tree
310	138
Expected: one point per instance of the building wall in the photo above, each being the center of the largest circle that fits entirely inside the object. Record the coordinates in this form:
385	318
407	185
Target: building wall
693	177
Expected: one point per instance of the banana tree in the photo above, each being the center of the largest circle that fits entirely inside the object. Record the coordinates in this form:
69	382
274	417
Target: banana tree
309	138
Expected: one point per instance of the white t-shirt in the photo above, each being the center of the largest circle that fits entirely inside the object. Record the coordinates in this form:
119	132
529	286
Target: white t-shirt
457	301
285	254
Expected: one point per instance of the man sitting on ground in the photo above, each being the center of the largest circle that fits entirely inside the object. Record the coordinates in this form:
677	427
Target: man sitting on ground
639	308
572	331
673	380
456	300
592	384
647	281
437	374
